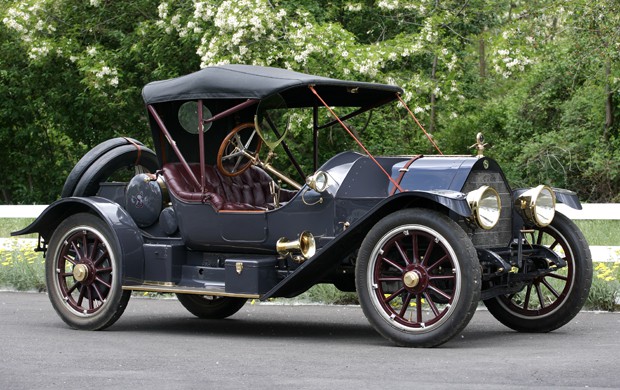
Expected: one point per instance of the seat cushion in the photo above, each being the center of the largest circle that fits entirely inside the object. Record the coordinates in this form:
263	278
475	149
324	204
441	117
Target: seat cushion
247	191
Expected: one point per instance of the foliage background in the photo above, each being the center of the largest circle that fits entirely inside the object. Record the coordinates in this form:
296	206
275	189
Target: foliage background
540	78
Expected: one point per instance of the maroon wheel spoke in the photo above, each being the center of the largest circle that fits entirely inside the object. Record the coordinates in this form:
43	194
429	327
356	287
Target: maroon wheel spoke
403	255
539	238
103	270
541	298
526	301
438	291
81	296
418	307
76	250
108	285
394	295
406	303
431	303
441	277
390	279
416	248
102	256
393	264
84	246
550	288
91	305
99	295
553	245
438	263
429	251
70	290
557	276
94	248
69	259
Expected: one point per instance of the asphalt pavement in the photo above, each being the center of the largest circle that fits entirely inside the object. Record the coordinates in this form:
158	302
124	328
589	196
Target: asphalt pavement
157	344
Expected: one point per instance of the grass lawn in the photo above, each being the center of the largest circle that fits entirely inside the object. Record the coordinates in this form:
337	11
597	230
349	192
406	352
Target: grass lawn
23	269
597	232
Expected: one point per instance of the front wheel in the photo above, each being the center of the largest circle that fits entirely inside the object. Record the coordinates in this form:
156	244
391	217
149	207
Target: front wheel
83	273
551	300
210	307
418	278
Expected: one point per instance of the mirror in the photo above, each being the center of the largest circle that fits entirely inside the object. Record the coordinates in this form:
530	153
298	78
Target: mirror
188	117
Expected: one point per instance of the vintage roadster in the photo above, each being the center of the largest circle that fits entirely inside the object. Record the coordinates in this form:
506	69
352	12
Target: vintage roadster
210	218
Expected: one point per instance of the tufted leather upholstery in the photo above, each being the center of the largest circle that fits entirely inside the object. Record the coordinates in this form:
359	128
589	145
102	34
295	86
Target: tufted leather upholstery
248	191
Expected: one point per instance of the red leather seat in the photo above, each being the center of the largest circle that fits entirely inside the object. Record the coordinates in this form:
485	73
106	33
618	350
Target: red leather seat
248	191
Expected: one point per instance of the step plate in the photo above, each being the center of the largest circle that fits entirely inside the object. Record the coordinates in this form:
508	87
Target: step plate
217	291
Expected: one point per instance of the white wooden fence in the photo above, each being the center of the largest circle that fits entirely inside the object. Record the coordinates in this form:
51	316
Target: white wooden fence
590	211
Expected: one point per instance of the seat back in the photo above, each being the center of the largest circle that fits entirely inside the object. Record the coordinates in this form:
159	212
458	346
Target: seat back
247	191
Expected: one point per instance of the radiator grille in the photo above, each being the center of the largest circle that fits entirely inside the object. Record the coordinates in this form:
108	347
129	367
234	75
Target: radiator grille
501	234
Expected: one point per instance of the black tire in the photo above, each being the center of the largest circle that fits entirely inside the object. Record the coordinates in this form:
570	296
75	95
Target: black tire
210	307
88	159
126	157
564	292
83	273
438	283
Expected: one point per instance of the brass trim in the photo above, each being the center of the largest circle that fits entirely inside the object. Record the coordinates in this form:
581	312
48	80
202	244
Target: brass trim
411	279
304	244
313	181
213	291
527	203
80	272
474	197
157	283
479	146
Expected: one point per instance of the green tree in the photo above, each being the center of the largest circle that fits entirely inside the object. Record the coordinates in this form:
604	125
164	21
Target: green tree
539	78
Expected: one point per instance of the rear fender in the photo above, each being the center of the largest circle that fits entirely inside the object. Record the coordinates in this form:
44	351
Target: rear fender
126	233
328	258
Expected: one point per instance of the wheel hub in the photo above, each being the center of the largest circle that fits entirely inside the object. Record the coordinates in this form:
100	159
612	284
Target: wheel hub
415	278
80	272
411	279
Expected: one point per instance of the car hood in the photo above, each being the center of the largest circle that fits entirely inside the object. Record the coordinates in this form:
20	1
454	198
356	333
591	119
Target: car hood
358	176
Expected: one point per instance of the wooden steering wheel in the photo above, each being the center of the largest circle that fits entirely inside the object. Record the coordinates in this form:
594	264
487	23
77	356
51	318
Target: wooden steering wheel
239	150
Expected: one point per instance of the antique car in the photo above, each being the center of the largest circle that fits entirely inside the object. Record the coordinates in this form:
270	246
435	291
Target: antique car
211	217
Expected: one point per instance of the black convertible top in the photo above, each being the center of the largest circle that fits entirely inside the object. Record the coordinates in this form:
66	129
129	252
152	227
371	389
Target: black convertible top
256	82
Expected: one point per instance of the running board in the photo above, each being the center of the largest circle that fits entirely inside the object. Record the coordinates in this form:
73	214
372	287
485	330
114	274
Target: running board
216	291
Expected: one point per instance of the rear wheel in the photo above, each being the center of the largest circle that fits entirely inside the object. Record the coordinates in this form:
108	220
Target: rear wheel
418	278
83	273
210	307
551	300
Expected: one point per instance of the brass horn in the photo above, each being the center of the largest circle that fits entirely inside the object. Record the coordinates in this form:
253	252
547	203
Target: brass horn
305	244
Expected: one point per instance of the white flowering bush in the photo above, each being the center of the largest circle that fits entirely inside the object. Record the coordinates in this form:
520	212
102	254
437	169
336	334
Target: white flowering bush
36	21
73	69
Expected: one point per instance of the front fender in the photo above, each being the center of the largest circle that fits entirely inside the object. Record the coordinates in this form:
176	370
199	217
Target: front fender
329	256
126	233
566	197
